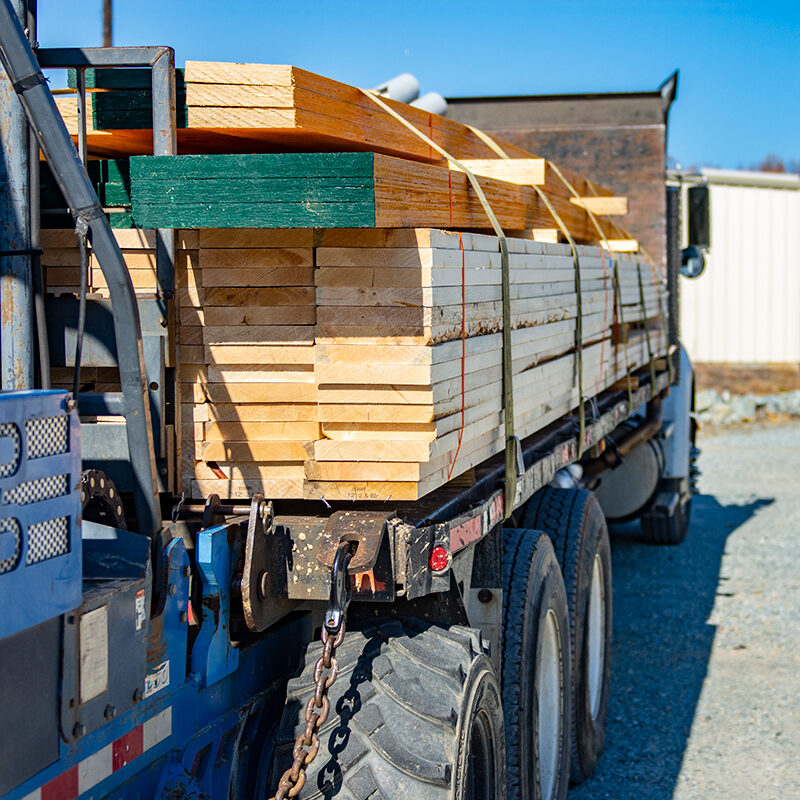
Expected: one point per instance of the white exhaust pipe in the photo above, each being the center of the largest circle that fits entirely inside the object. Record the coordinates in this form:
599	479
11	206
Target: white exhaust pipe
433	102
404	87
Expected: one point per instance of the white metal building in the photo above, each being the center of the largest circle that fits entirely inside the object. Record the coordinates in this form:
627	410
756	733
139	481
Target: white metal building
745	308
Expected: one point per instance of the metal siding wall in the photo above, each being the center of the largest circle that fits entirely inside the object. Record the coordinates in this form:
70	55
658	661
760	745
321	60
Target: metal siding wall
745	308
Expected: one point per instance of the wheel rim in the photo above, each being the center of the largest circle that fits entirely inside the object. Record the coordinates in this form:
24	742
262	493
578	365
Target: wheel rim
596	638
480	784
549	690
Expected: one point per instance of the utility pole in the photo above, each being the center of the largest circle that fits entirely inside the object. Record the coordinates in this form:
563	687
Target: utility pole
107	23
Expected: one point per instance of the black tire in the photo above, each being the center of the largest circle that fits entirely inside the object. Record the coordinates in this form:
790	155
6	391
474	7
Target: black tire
416	713
533	589
574	521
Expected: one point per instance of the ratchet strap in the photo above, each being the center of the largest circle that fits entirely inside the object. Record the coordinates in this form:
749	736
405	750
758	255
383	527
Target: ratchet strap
512	442
618	293
577	269
651	263
646	329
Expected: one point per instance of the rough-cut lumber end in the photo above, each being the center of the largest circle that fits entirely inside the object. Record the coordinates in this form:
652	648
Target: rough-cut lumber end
605	206
545	235
526	171
621	245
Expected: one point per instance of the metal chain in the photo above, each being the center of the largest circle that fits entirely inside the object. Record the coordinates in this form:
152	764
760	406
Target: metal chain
317	709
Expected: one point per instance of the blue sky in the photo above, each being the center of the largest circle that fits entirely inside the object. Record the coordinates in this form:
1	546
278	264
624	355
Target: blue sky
738	97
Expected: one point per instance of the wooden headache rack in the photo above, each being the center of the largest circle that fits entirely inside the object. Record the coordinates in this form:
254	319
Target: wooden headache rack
340	310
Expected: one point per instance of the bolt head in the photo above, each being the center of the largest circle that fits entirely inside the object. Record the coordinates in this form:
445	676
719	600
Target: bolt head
78	730
110	712
485	595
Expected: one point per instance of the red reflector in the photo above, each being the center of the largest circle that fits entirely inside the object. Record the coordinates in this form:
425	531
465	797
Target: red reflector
440	558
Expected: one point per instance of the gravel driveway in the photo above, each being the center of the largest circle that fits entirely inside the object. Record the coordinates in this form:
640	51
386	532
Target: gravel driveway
706	662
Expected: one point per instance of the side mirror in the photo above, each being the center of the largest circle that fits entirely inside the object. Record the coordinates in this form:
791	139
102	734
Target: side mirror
699	217
693	262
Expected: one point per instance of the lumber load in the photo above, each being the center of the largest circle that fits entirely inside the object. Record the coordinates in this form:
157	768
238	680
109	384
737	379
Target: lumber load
110	179
333	190
61	260
247	315
367	364
228	105
390	375
256	108
432	405
339	311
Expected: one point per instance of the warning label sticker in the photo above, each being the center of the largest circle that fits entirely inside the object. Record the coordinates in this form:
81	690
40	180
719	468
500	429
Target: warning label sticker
139	611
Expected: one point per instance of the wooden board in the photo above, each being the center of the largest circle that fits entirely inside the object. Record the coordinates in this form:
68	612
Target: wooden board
332	190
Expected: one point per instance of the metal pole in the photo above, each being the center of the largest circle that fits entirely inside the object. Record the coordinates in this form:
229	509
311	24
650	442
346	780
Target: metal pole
16	284
24	72
107	23
37	270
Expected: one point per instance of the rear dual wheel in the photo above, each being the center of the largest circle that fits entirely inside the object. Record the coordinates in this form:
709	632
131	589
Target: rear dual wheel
575	523
536	668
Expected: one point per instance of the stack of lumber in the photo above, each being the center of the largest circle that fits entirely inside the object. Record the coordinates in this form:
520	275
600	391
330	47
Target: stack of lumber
111	181
404	402
340	308
61	260
249	400
351	388
334	190
258	108
123	98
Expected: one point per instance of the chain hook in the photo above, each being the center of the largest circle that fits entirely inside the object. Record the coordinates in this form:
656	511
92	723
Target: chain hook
340	589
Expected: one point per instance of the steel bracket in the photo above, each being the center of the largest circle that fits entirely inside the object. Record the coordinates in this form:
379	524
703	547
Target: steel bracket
263	577
364	530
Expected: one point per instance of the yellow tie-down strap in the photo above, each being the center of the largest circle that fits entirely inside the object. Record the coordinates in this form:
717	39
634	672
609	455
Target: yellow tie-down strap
512	443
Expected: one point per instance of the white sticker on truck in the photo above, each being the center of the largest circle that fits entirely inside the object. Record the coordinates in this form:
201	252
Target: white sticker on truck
156	680
94	653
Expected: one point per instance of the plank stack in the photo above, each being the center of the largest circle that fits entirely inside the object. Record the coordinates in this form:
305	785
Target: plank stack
249	400
340	310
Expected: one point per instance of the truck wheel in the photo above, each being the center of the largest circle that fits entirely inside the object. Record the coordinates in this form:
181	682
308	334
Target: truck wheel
416	713
535	658
574	521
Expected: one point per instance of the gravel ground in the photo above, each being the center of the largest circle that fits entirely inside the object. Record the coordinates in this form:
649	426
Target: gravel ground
706	658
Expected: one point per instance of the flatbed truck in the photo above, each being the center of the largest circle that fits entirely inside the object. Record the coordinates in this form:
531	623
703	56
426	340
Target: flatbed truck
453	647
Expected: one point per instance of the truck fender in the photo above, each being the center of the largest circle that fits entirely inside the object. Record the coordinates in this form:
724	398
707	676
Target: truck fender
677	421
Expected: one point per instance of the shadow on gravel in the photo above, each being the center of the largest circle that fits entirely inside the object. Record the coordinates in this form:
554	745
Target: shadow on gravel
662	643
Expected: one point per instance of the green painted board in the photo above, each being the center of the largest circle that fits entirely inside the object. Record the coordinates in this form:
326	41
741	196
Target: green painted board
110	178
119	78
114	170
272	190
121	219
130	107
249	165
130	110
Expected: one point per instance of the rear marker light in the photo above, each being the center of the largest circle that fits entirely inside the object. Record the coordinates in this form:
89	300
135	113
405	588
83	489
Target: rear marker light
439	559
